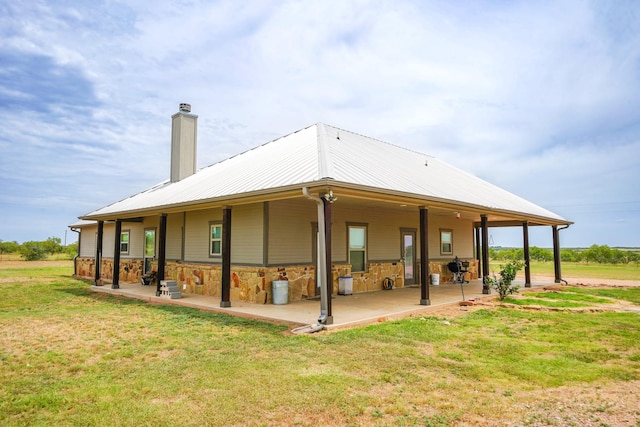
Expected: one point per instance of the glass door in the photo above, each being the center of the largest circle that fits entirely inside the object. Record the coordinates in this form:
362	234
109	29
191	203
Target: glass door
149	248
409	256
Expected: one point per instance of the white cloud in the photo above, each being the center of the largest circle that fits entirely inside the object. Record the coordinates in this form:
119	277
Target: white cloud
537	97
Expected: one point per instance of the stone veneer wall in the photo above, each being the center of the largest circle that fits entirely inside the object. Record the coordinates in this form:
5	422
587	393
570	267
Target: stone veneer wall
440	267
250	284
373	278
130	269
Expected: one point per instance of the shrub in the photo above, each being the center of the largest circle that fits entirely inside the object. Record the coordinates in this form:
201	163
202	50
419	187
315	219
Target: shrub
32	251
504	285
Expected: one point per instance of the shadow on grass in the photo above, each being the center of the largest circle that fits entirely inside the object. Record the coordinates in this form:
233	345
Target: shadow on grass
219	319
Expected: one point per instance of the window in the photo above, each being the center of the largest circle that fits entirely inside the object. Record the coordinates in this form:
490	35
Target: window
215	247
446	242
358	248
124	242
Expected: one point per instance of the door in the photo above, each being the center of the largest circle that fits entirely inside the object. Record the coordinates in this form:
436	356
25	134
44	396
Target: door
149	248
409	256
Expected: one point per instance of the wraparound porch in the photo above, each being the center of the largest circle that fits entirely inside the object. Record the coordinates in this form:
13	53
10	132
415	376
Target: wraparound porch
348	310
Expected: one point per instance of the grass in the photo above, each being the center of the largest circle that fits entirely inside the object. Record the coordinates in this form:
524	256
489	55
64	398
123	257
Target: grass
72	357
582	270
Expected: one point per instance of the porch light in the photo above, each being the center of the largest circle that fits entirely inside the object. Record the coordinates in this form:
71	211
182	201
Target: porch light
329	197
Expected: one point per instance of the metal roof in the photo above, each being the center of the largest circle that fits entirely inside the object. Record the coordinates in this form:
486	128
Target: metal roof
321	154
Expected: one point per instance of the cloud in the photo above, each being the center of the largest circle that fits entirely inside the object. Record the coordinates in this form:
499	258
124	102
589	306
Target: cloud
537	97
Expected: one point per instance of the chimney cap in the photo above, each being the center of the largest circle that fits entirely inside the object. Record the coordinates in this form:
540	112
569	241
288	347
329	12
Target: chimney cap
184	107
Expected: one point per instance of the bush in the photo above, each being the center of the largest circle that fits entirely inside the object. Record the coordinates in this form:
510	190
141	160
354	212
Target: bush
32	251
504	286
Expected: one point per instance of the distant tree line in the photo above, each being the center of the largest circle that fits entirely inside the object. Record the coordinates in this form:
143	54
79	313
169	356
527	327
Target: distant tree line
33	251
600	254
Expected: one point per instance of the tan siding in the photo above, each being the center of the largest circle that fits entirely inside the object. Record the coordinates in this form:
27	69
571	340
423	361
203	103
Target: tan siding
247	233
136	239
290	238
108	240
384	232
383	227
462	237
174	236
197	234
88	241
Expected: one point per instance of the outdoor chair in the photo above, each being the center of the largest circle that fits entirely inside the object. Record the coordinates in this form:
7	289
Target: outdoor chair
148	278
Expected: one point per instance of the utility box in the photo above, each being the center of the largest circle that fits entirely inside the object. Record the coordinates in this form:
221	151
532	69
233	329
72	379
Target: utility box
345	285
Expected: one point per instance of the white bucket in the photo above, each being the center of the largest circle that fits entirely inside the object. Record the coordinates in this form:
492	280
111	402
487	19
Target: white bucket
435	279
345	285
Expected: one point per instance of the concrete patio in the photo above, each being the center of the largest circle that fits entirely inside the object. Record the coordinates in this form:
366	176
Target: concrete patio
347	310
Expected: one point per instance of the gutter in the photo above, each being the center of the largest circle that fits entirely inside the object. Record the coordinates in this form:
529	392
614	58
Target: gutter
563	228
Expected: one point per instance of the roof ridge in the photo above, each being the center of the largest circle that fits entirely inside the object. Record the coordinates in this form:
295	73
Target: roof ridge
325	164
377	140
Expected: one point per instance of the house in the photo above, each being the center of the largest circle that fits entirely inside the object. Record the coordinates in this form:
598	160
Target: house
310	207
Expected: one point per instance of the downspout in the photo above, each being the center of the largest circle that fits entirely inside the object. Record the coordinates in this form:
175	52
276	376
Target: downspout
75	258
562	228
322	260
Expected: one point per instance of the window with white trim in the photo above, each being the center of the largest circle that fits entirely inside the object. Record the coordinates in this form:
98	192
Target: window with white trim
215	235
357	248
446	242
124	242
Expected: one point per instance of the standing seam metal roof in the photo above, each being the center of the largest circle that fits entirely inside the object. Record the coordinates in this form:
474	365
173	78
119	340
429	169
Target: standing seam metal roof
319	152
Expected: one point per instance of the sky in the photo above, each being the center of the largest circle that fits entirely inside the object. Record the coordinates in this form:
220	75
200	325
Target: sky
541	98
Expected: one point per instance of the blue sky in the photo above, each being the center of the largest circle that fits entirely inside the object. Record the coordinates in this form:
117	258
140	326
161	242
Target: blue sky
541	98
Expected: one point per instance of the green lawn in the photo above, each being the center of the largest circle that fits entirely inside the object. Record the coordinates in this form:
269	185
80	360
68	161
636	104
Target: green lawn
581	270
69	356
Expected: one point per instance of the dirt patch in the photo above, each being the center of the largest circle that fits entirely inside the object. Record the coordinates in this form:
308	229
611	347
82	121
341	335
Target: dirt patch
613	404
492	302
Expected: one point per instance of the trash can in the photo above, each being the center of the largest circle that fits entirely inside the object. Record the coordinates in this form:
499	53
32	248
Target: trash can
345	285
280	289
435	279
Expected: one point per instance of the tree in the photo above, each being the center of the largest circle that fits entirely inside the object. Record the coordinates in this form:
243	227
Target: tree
52	245
540	254
9	247
32	251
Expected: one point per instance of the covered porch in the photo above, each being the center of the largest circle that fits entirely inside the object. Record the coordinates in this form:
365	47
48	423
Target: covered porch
348	310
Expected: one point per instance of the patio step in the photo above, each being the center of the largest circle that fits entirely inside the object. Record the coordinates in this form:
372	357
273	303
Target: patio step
169	289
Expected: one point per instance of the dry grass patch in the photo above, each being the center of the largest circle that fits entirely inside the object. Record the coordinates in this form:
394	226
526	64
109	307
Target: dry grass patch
72	357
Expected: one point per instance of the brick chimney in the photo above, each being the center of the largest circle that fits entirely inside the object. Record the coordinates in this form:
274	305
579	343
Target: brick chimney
184	137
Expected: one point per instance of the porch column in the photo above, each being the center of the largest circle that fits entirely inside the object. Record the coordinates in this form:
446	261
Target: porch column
115	283
162	249
527	258
485	254
477	230
424	256
99	252
225	301
556	254
328	263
